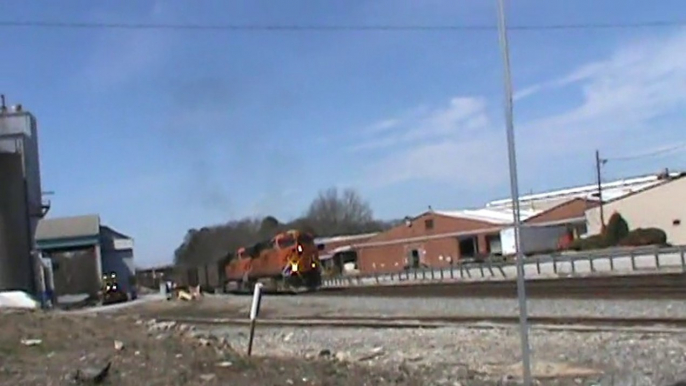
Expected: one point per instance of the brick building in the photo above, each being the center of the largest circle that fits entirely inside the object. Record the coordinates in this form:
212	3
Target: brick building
440	238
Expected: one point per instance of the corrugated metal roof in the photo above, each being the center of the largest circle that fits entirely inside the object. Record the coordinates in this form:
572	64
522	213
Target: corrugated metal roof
611	190
489	215
115	232
344	248
333	239
68	227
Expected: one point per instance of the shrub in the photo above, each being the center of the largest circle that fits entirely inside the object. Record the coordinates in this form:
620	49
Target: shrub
617	229
645	236
589	243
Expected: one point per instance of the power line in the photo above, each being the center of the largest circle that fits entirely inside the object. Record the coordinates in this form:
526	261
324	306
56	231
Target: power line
649	154
332	28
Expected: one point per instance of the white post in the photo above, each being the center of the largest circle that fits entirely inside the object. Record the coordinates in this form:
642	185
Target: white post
254	312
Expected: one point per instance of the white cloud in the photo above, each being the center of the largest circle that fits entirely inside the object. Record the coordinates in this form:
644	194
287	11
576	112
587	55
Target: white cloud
625	99
453	136
456	161
466	114
383	125
638	83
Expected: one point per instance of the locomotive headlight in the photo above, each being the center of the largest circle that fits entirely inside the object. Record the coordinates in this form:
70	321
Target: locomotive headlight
294	267
300	248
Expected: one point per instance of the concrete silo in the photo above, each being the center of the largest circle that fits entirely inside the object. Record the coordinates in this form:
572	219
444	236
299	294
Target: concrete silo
21	203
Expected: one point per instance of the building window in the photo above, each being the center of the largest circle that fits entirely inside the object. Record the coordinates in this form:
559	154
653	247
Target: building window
676	222
429	224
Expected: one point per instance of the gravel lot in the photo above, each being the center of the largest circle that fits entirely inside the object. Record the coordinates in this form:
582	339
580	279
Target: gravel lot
453	356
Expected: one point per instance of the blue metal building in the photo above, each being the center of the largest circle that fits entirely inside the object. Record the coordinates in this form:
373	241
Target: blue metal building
83	250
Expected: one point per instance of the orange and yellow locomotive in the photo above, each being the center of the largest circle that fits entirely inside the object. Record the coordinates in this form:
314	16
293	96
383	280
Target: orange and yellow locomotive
287	262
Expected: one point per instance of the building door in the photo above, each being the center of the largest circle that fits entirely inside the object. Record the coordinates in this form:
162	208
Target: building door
468	247
494	245
414	258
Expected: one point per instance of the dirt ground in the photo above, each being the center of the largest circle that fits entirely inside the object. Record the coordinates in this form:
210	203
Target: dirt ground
41	348
206	308
223	307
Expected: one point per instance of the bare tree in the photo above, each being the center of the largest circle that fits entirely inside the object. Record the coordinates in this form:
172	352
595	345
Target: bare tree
335	213
330	213
303	224
216	243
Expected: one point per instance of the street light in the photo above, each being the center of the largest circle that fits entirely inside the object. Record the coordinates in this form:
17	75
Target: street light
514	188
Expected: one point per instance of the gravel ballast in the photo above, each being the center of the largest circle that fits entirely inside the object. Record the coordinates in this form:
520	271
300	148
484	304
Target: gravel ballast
460	356
377	306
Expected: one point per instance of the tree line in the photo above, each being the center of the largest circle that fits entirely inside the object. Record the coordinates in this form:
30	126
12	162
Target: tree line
331	213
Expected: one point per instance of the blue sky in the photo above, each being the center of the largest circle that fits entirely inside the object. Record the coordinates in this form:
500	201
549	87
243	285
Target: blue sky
161	131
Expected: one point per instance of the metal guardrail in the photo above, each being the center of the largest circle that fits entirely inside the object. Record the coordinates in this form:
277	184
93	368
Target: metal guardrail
613	262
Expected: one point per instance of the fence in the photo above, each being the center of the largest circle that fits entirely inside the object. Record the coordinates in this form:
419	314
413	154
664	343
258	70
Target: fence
609	262
620	261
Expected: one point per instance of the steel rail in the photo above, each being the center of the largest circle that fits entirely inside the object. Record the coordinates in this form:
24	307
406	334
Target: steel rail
435	321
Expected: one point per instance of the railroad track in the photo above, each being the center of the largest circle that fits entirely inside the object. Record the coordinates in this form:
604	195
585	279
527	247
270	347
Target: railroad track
669	286
405	322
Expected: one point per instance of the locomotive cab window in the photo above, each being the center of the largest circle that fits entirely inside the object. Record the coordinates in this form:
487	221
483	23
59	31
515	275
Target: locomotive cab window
286	242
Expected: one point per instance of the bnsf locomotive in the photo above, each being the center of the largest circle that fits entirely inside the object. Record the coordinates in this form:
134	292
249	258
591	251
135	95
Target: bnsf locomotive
289	262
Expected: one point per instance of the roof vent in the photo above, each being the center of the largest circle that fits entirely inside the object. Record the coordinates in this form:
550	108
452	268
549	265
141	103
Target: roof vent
664	175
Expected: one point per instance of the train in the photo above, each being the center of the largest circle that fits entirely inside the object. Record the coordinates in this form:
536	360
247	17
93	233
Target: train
111	292
288	262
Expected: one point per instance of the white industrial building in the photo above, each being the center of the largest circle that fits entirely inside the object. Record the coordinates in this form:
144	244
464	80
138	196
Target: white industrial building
661	205
611	190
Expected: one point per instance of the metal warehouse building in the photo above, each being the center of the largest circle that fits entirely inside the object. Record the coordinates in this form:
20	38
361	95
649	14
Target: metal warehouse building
82	250
660	205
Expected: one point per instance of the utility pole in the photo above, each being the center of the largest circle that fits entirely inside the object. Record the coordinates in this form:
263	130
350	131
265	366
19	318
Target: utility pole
598	163
514	189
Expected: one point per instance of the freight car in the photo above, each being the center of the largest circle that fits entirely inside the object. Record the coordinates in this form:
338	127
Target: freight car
289	262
